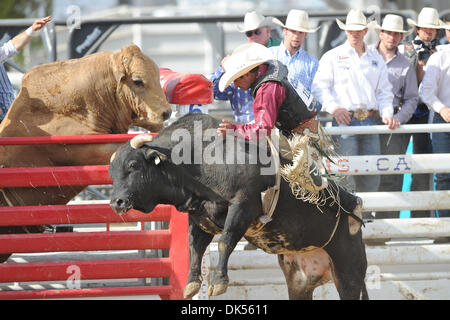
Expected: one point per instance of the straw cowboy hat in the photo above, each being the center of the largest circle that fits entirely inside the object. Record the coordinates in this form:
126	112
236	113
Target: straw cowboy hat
428	18
394	23
297	20
253	21
243	59
355	21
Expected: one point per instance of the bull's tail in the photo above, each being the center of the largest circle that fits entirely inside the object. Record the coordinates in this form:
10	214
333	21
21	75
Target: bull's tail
364	294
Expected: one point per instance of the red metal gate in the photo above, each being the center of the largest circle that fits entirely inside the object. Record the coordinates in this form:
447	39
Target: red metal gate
175	238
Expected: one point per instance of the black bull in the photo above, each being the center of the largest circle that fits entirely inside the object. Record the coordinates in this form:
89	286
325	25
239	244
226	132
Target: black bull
225	198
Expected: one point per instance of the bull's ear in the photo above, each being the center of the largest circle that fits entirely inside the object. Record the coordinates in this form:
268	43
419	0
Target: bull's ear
119	62
154	156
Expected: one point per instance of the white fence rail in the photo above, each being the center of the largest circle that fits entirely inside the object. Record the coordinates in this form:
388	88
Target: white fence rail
389	164
411	200
383	129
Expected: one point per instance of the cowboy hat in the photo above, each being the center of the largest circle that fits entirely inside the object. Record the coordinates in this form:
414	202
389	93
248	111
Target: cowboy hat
297	20
427	18
243	59
355	21
394	23
253	21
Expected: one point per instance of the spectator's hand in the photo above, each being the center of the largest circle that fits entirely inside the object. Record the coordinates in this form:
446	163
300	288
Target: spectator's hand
40	23
391	122
421	63
342	116
223	127
445	114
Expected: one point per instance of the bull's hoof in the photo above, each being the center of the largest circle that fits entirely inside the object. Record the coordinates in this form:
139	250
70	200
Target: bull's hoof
217	289
191	289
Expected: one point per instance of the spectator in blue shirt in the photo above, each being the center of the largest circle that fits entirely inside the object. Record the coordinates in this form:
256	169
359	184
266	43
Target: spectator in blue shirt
8	50
301	65
257	29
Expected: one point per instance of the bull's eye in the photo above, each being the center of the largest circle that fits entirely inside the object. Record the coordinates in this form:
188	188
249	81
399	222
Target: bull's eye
138	83
132	165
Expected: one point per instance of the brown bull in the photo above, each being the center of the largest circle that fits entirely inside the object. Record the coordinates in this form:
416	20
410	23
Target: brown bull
99	94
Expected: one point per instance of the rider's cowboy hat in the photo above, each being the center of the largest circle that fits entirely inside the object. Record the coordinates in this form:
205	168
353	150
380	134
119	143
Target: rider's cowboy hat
427	18
394	23
254	20
355	21
297	20
243	59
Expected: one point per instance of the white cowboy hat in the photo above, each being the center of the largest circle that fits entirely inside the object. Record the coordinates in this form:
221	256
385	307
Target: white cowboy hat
297	20
394	23
254	20
355	21
243	59
427	18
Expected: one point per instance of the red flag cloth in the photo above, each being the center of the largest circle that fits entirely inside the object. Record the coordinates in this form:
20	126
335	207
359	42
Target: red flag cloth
185	88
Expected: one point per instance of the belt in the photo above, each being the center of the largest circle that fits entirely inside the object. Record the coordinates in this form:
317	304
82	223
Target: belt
363	114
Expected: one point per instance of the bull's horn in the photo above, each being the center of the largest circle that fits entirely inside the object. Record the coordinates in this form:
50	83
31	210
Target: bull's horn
139	140
112	157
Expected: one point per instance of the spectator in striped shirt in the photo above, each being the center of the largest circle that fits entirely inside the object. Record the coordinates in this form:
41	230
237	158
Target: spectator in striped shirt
8	50
301	65
257	30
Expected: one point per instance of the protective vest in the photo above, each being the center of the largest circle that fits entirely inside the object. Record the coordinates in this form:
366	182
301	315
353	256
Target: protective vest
296	107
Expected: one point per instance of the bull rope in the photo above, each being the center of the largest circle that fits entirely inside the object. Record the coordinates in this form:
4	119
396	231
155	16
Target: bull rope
6	198
275	189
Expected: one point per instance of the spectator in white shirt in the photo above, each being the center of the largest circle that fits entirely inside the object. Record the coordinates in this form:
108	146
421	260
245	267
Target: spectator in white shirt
434	91
352	84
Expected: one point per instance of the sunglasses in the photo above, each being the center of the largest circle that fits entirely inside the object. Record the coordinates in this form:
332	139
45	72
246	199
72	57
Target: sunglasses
250	33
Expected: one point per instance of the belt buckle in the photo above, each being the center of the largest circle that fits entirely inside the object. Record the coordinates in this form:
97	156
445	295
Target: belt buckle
361	114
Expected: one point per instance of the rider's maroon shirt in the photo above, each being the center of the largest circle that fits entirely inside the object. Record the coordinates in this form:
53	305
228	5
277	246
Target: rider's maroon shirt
266	104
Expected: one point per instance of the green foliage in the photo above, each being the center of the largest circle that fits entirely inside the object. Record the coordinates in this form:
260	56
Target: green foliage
16	9
25	9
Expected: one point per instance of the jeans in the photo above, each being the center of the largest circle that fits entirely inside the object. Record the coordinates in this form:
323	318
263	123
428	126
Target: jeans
421	144
441	144
396	143
359	144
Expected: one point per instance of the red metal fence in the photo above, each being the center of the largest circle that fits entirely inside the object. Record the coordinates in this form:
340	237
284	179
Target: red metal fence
175	238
